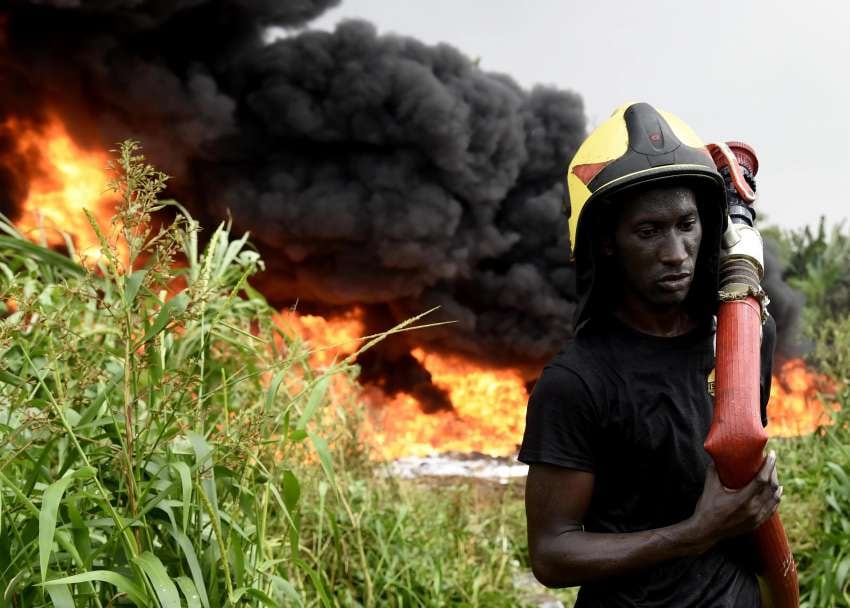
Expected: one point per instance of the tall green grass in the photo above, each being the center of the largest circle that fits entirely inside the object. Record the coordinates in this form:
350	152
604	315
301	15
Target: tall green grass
150	434
164	443
815	469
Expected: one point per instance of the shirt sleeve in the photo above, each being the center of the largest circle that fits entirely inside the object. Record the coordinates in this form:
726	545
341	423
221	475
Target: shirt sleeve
561	422
768	344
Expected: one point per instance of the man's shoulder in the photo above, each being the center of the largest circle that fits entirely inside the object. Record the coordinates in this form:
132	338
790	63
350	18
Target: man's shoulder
582	358
591	346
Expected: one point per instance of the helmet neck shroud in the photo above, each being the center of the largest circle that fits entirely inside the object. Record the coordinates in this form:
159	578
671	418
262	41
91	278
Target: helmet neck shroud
598	277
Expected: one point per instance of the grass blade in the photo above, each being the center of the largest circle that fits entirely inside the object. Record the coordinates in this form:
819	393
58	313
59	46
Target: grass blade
121	582
61	596
324	456
47	515
171	309
162	584
132	284
186	485
194	566
189	591
317	396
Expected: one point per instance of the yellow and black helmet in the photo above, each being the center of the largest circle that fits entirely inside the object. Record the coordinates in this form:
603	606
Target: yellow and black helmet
637	145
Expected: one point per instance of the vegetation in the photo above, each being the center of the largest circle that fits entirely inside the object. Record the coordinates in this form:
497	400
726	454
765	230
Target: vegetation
816	468
164	443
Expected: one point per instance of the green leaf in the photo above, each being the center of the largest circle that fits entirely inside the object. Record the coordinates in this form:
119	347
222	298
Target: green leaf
203	461
132	284
324	456
830	500
291	490
186	484
317	582
162	584
194	566
61	596
202	450
170	310
40	253
80	531
839	472
121	582
297	435
11	379
286	587
237	557
841	573
233	250
47	516
272	392
317	396
189	591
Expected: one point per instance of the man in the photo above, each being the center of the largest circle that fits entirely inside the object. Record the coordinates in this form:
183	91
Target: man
621	497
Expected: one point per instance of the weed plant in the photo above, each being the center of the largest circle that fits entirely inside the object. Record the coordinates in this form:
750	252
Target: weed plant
164	443
152	417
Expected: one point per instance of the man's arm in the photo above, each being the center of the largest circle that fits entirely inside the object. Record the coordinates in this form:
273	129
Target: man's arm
563	554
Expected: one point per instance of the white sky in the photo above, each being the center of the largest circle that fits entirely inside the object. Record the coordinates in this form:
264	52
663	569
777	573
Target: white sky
772	74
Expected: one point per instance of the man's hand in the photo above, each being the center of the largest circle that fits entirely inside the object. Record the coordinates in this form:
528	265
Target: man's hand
722	513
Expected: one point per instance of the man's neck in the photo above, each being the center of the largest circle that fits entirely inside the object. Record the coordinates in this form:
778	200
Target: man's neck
665	322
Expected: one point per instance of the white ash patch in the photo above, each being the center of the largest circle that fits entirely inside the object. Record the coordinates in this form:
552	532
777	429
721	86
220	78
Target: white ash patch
458	465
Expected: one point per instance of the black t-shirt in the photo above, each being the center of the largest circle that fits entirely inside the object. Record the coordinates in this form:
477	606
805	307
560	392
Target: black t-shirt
635	409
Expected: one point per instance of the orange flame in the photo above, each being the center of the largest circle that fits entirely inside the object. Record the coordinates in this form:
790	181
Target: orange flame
489	405
797	397
65	179
327	339
488	412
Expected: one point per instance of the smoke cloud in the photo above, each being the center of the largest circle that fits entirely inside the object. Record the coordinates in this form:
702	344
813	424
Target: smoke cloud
371	169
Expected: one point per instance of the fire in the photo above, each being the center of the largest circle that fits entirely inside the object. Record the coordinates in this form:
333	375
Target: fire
488	412
796	404
65	179
328	339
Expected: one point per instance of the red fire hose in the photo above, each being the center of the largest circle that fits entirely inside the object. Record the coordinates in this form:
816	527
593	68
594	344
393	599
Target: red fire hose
737	438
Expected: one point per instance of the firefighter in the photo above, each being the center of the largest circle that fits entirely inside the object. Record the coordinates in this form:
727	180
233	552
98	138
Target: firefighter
621	497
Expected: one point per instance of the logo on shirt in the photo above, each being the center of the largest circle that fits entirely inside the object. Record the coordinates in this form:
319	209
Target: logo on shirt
710	382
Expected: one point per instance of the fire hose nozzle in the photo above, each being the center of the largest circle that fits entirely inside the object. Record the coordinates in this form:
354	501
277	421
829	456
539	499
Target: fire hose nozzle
742	249
738	159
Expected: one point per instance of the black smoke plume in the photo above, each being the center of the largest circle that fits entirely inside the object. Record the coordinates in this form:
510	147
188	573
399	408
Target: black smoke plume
371	169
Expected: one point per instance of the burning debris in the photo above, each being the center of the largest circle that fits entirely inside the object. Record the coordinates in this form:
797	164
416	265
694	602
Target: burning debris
380	176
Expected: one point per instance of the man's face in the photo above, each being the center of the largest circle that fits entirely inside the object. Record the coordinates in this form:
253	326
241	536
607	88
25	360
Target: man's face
657	241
